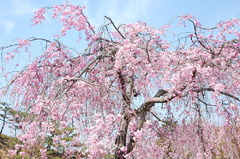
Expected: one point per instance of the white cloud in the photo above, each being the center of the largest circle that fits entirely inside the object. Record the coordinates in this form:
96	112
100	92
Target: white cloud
122	11
135	9
8	26
20	7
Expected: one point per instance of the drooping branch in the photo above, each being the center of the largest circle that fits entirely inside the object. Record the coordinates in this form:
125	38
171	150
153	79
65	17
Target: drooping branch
213	90
165	99
198	39
85	70
30	40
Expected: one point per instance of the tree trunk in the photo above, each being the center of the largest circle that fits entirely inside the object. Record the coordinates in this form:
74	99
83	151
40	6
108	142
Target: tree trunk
121	140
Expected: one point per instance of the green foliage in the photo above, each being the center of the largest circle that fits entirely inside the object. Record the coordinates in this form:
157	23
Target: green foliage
7	141
109	156
68	134
10	116
21	157
5	115
169	124
67	138
54	154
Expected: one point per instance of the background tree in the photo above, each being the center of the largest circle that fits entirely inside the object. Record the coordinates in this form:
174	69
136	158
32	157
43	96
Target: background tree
4	115
121	90
10	117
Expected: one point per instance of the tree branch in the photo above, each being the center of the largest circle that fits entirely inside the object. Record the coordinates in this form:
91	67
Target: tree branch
212	90
160	97
115	27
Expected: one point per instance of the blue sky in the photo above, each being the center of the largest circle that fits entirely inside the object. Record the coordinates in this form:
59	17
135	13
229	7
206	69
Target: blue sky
15	15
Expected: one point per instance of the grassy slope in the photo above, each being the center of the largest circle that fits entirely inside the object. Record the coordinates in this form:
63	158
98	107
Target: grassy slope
6	143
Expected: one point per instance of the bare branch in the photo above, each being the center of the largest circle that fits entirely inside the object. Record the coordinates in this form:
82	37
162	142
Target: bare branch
199	41
115	27
212	90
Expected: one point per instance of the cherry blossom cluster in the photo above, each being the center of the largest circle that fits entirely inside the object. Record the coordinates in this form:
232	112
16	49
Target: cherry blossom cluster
100	103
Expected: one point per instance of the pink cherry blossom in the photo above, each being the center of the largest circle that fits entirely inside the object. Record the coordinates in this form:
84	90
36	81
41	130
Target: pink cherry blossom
132	93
